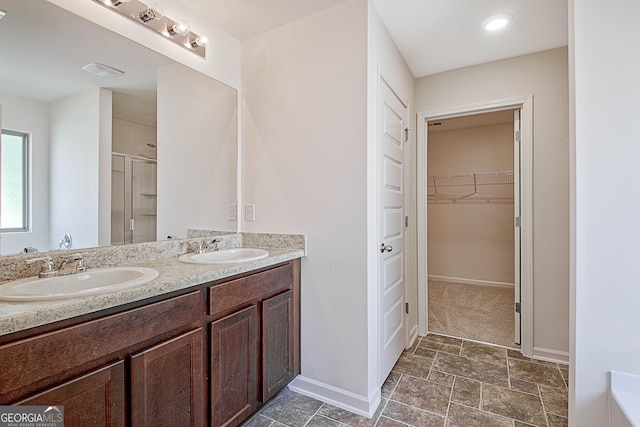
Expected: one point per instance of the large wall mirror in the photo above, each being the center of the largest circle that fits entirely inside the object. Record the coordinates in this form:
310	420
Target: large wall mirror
108	159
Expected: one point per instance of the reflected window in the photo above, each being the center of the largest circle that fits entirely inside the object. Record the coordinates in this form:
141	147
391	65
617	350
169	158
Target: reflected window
14	181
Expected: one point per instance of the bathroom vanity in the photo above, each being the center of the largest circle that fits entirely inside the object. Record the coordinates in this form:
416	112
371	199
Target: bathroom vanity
206	348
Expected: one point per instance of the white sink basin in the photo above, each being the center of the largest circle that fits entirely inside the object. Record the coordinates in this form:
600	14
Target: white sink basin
226	256
92	282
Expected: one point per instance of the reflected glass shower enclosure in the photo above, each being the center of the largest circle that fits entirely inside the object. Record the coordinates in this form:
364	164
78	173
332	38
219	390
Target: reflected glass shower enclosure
133	199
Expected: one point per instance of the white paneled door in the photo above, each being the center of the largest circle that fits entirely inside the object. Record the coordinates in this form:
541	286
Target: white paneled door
392	124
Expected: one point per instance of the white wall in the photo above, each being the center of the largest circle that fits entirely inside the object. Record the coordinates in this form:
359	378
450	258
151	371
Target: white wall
305	168
607	291
545	76
471	239
307	161
197	152
105	139
75	168
25	115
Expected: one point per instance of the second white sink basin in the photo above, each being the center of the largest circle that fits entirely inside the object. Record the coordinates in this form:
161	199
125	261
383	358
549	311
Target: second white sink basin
226	256
92	282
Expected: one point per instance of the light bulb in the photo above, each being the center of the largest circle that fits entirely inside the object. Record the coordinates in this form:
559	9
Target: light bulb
154	11
179	27
496	22
116	3
200	41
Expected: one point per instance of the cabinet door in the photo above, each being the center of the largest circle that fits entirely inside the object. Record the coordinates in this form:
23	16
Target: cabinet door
167	387
277	344
95	399
234	367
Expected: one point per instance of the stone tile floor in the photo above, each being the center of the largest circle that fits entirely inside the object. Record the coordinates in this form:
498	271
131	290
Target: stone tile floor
445	382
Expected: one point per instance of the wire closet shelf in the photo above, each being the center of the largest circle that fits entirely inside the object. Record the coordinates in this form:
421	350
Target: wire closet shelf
482	187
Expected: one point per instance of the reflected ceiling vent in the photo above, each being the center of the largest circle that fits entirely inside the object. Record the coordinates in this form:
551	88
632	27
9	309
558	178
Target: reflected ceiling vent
102	70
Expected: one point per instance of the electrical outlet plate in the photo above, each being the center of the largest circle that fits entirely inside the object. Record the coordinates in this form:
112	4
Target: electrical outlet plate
250	212
233	212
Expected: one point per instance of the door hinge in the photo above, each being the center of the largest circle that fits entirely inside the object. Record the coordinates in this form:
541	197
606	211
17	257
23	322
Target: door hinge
132	224
518	222
406	307
517	307
518	135
406	134
406	221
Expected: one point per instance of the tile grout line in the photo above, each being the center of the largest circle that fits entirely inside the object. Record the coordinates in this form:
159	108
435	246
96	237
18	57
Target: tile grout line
544	410
446	415
316	413
509	372
382	412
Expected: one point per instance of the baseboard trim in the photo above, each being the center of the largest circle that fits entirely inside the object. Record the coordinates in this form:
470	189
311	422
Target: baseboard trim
470	281
344	399
550	355
413	335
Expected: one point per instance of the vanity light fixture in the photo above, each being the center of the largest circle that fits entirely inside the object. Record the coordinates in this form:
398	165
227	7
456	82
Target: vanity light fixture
150	13
496	22
2	13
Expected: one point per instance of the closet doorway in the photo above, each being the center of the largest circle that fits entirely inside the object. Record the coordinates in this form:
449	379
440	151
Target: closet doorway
476	179
470	227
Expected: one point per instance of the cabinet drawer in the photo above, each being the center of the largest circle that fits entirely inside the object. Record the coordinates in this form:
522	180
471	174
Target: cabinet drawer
35	359
228	297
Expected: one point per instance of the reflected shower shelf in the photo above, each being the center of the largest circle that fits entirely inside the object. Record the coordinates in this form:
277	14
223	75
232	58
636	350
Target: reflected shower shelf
484	186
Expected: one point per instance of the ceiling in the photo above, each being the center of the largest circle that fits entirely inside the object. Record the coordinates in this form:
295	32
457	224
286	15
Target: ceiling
432	35
44	48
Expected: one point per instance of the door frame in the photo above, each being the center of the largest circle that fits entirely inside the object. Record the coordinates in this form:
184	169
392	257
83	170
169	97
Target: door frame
525	104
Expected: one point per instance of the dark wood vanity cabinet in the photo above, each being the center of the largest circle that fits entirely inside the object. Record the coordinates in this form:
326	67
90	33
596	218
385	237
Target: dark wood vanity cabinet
129	368
254	339
209	356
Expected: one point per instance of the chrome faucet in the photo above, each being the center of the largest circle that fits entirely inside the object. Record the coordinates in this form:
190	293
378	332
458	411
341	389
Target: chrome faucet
47	266
72	264
202	246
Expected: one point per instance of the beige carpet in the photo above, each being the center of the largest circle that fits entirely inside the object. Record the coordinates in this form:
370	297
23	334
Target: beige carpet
483	313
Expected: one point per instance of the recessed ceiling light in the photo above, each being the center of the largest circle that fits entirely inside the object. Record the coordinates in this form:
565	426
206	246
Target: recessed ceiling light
496	22
102	70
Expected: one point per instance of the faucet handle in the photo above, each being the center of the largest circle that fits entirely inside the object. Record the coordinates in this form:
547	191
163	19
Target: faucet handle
79	259
47	266
211	242
199	246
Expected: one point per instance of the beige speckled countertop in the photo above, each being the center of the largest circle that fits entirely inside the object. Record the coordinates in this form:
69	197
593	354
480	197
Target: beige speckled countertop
174	276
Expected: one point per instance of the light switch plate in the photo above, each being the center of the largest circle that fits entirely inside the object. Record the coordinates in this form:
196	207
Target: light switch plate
233	212
250	212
